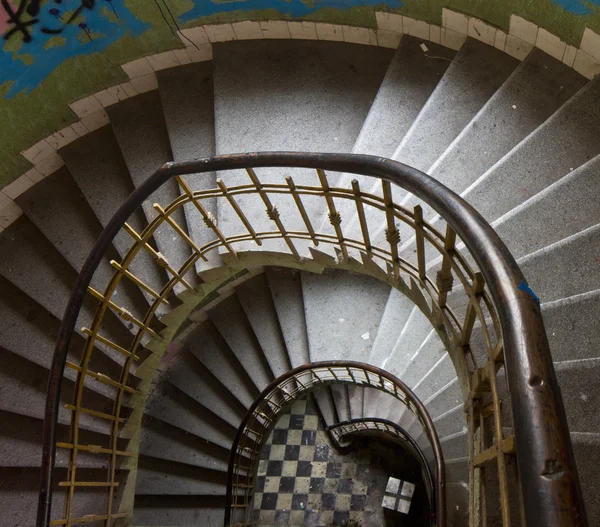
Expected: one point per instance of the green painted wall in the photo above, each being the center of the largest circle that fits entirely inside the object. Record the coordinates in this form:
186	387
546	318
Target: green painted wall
41	108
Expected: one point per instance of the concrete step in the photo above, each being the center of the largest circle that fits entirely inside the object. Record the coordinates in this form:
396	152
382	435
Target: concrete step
457	503
209	347
187	98
19	491
356	398
231	321
21	444
397	312
415	331
159	440
96	164
159	477
341	400
293	96
24	386
578	380
453	447
178	511
139	126
29	331
476	72
286	291
343	312
190	376
408	83
172	406
258	305
566	268
562	209
537	88
425	358
564	142
58	209
325	403
451	422
445	399
457	470
439	376
587	455
398	309
571	326
32	264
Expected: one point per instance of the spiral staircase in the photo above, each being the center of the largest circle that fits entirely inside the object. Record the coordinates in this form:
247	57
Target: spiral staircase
518	140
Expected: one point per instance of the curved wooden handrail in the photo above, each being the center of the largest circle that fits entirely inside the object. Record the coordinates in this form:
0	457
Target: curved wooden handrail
549	483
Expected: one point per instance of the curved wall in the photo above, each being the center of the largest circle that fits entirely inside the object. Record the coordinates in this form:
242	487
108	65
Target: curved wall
55	52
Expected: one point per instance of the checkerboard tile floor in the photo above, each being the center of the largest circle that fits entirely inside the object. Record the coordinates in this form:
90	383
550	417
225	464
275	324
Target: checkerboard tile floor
302	480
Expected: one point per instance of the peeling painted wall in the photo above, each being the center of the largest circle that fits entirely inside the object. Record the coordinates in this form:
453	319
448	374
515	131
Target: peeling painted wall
57	51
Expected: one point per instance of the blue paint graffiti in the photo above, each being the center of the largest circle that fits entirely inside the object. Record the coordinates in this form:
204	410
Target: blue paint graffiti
93	31
294	8
577	7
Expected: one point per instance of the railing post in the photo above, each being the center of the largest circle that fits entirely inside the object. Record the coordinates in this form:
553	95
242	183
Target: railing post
444	278
420	242
334	216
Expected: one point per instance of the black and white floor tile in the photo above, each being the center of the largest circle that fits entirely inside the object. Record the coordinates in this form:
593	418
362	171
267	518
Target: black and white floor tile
302	480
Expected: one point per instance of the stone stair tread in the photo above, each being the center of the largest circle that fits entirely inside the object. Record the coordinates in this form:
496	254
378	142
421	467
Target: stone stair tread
57	208
562	209
415	331
445	399
187	96
425	358
190	376
207	344
562	143
481	68
139	126
169	478
586	448
178	511
398	309
408	83
578	381
30	331
174	407
438	377
96	164
343	312
286	290
572	326
309	108
165	443
257	303
33	265
547	268
231	321
537	88
451	422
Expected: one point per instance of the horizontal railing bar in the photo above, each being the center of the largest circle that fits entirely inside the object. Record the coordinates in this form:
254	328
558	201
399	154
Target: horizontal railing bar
508	447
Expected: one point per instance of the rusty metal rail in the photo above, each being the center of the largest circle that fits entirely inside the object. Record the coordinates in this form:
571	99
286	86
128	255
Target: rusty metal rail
490	302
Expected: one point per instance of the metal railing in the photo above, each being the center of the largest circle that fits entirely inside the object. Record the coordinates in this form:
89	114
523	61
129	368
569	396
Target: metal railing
491	303
361	427
294	384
